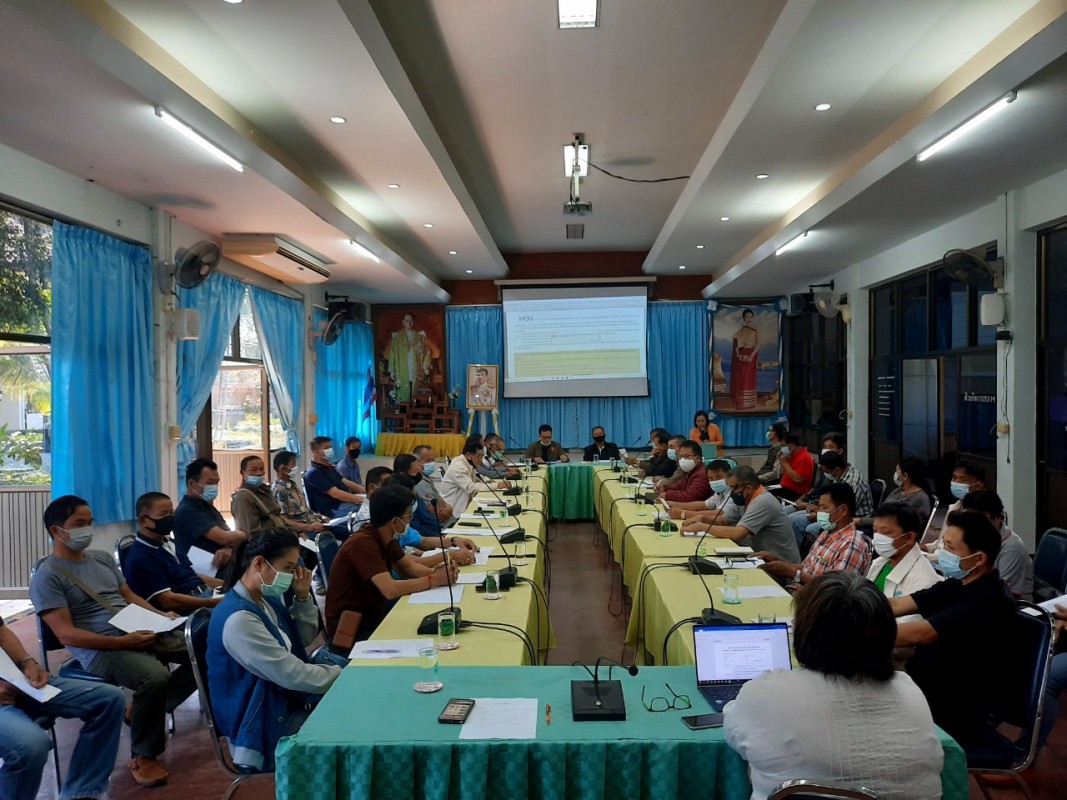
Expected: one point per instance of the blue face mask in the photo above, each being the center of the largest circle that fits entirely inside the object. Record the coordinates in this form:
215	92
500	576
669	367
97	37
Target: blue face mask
719	486
429	469
959	490
672	454
209	493
254	480
949	564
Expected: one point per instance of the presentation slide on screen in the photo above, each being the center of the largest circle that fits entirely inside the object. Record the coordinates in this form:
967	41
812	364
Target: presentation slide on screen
575	342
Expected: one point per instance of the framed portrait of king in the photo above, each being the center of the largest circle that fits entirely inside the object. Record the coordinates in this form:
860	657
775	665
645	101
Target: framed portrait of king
482	386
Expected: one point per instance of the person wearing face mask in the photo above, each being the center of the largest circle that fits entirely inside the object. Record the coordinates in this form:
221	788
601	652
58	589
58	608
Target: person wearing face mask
899	568
197	523
330	494
909	487
693	485
76	591
601	449
462	481
832	469
770	471
718	509
839	547
546	450
291	502
428	488
153	568
362	579
1013	562
966	621
425	528
676	474
253	505
763	524
493	465
348	467
966	478
263	684
798	469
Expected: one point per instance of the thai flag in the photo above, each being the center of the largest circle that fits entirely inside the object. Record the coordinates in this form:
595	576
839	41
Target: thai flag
370	394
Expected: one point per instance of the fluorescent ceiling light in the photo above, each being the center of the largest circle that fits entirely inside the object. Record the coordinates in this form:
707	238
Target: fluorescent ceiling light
762	176
338	120
578	13
823	107
363	251
583	160
470	271
452	252
193	136
791	243
681	266
700	247
394	185
724	219
982	116
427	224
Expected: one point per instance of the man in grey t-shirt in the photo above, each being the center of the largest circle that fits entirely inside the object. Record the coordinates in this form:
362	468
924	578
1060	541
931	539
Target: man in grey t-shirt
1013	563
764	524
80	622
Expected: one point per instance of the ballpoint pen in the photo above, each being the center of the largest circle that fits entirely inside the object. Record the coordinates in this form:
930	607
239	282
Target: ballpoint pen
381	651
548	714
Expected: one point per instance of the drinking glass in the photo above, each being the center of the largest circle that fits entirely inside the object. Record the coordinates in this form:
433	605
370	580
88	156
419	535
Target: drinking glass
520	553
767	617
640	500
731	594
492	584
428	658
446	631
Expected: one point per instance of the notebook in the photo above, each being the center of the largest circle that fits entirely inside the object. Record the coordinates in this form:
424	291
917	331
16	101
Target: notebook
728	656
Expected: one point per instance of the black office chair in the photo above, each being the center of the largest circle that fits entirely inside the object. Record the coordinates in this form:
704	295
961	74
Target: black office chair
196	630
1050	565
878	486
1021	704
819	790
122	549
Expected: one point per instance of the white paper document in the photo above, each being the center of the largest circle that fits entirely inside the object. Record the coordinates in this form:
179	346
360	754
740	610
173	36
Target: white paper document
501	718
733	550
758	592
389	648
309	544
471	577
499	526
15	676
481	558
1050	605
201	560
438	596
338	521
134	618
493	514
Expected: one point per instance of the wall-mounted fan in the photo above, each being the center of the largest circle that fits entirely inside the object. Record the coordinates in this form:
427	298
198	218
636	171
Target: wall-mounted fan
828	303
339	311
190	268
972	270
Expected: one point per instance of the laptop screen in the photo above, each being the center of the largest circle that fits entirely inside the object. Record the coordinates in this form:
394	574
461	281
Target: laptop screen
735	653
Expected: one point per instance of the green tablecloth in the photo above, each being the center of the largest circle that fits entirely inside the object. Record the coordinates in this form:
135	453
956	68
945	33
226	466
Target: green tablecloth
343	750
570	490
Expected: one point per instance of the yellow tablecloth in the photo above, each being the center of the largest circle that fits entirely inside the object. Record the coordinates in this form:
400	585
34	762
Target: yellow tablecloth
444	444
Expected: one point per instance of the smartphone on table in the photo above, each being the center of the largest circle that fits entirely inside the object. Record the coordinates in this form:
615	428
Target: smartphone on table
699	722
456	712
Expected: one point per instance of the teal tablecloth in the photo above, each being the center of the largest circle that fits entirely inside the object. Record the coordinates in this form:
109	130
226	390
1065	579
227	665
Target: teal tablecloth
374	738
570	490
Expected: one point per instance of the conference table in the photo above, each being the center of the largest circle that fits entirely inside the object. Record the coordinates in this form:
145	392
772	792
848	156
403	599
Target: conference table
570	489
343	750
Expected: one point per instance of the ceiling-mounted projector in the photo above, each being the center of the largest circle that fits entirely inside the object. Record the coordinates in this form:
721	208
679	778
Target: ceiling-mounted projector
577	208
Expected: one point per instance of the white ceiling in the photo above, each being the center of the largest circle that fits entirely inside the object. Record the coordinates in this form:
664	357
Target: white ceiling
466	104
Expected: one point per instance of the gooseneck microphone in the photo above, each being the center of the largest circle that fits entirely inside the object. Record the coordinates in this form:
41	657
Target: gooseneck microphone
509	576
597	699
428	626
534	466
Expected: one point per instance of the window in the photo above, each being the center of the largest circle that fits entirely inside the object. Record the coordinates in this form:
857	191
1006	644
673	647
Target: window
25	363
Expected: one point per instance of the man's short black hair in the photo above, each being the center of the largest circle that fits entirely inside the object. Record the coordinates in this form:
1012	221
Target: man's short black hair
376	476
973	470
248	460
905	516
351	440
596	428
146	501
392	500
318	442
691	445
843	625
719	465
282	458
842	495
832	460
744	475
402	463
660	435
838	439
471	447
987	501
792	438
196	468
978	533
780	430
474	438
60	510
543	428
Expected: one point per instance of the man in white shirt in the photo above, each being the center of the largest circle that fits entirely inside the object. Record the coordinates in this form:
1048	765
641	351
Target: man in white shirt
462	481
899	568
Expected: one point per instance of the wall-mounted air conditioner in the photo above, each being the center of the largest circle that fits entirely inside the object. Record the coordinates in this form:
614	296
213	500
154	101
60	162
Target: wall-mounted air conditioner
277	257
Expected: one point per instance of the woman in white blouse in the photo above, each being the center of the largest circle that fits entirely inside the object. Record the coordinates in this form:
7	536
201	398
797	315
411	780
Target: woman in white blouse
847	717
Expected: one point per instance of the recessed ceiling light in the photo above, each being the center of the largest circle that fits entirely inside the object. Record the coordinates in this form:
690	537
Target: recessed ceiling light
700	247
394	185
470	272
451	252
338	120
427	224
762	176
823	107
724	219
681	266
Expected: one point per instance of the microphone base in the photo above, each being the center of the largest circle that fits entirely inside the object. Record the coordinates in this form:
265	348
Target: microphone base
603	701
428	626
509	577
517	535
514	510
709	616
698	565
514	491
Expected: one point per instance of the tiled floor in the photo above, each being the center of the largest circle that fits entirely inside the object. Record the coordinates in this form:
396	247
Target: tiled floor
586	628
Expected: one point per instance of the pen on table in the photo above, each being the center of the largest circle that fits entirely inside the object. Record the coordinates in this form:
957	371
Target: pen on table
381	651
548	714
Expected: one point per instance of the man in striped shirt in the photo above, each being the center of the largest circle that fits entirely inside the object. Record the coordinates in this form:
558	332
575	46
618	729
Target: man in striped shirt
839	548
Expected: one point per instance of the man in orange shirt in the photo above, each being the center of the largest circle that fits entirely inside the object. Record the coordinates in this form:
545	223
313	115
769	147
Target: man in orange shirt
798	469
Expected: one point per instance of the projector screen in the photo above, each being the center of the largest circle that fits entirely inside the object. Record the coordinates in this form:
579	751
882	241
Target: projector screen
575	342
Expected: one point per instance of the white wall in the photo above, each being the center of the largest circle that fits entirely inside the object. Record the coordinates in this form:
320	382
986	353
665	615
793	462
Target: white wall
1012	221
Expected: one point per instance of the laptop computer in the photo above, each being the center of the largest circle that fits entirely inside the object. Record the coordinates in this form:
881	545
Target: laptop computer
728	656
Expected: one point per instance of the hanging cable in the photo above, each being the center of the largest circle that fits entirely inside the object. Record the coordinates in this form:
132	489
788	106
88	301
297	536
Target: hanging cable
637	180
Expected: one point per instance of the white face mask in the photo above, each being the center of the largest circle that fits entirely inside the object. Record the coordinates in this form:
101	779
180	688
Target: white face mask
898	479
687	464
883	545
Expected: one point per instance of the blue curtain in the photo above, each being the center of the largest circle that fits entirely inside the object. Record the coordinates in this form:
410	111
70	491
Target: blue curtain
677	359
218	300
344	385
280	322
103	376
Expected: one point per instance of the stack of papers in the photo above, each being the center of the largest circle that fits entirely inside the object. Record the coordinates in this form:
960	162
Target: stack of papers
201	560
15	676
733	550
135	618
471	577
389	648
438	596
